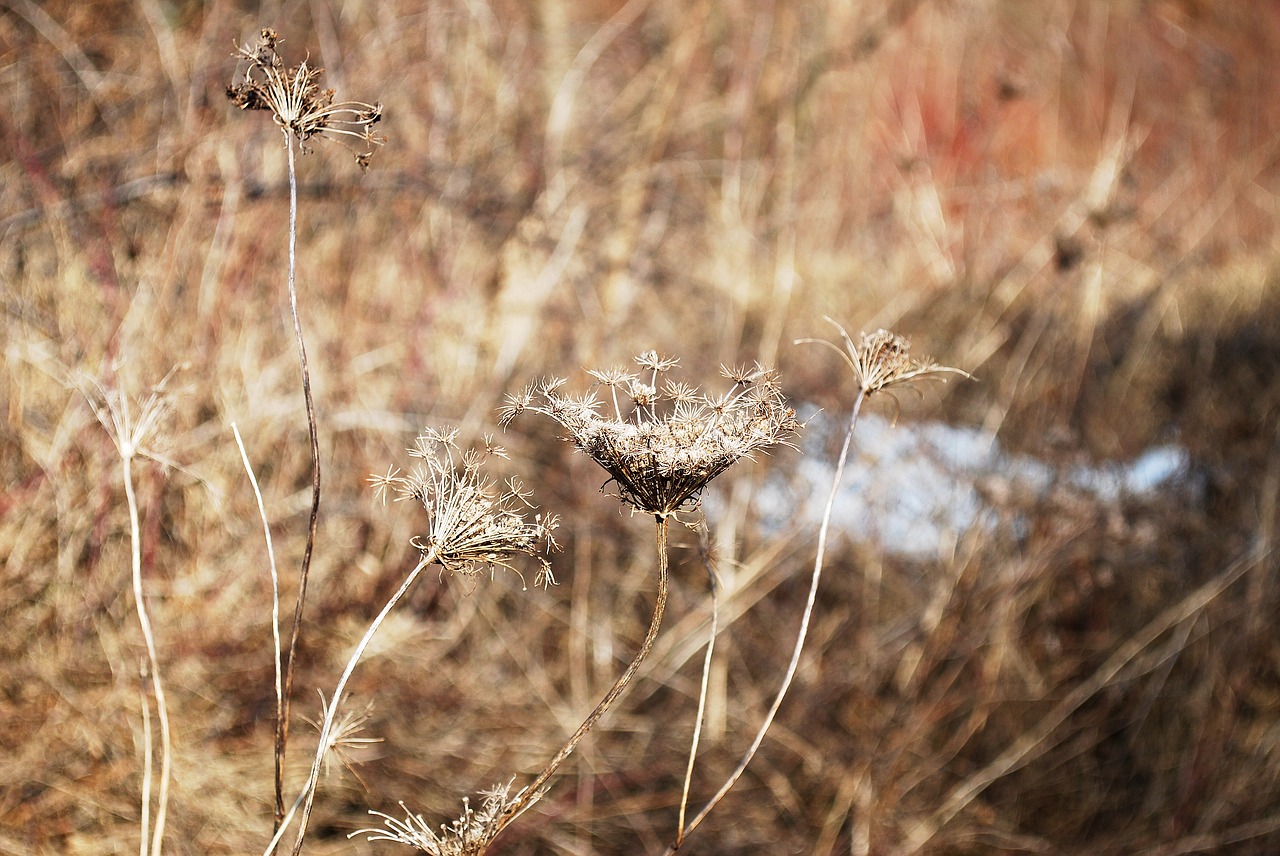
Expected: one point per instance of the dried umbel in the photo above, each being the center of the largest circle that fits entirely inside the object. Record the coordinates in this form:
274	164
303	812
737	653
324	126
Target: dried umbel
343	740
469	835
473	525
297	103
667	441
882	360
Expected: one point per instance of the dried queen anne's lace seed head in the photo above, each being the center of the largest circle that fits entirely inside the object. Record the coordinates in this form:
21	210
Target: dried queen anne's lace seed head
474	526
665	441
296	101
882	360
468	835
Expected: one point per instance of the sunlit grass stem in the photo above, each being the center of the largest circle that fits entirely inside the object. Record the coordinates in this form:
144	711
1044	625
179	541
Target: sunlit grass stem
702	690
275	610
126	450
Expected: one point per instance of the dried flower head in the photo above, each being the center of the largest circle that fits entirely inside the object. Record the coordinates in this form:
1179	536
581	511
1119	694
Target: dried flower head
344	740
133	434
882	360
473	526
296	101
469	835
665	441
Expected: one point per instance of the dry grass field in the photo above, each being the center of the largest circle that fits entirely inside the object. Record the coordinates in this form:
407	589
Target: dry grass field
1077	201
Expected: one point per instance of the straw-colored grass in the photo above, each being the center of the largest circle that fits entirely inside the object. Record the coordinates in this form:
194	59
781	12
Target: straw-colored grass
1074	201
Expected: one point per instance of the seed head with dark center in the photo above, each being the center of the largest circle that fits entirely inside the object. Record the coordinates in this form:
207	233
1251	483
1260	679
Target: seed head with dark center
665	441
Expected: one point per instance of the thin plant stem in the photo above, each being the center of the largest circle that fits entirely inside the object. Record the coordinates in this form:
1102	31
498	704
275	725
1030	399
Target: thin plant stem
275	596
282	721
326	727
157	687
702	696
816	576
148	749
284	825
531	793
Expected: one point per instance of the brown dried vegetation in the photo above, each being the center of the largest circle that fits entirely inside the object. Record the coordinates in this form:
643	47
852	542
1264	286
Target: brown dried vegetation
1074	201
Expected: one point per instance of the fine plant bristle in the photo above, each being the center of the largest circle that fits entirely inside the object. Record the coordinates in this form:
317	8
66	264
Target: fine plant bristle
663	445
345	738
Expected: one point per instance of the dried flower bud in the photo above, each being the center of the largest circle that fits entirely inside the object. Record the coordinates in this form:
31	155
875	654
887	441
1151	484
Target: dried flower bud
882	360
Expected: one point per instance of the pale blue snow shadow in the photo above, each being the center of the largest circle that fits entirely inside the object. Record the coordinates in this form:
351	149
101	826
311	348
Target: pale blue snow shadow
910	489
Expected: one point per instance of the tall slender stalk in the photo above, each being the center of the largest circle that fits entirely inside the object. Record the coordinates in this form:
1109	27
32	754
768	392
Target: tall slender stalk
127	450
130	437
282	722
326	727
302	110
275	616
533	791
819	558
702	688
879	362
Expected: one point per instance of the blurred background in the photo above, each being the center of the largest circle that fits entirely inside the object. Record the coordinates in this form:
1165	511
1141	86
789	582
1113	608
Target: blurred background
1047	623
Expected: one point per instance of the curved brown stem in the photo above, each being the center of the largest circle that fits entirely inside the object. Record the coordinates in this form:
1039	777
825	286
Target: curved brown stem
529	794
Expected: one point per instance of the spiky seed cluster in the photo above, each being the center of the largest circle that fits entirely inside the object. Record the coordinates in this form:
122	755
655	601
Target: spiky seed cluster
665	441
469	835
882	359
473	526
296	101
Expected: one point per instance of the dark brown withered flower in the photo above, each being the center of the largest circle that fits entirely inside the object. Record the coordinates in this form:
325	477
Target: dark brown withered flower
665	441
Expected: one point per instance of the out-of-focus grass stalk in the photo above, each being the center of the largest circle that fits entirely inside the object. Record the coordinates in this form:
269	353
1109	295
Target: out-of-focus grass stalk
275	576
